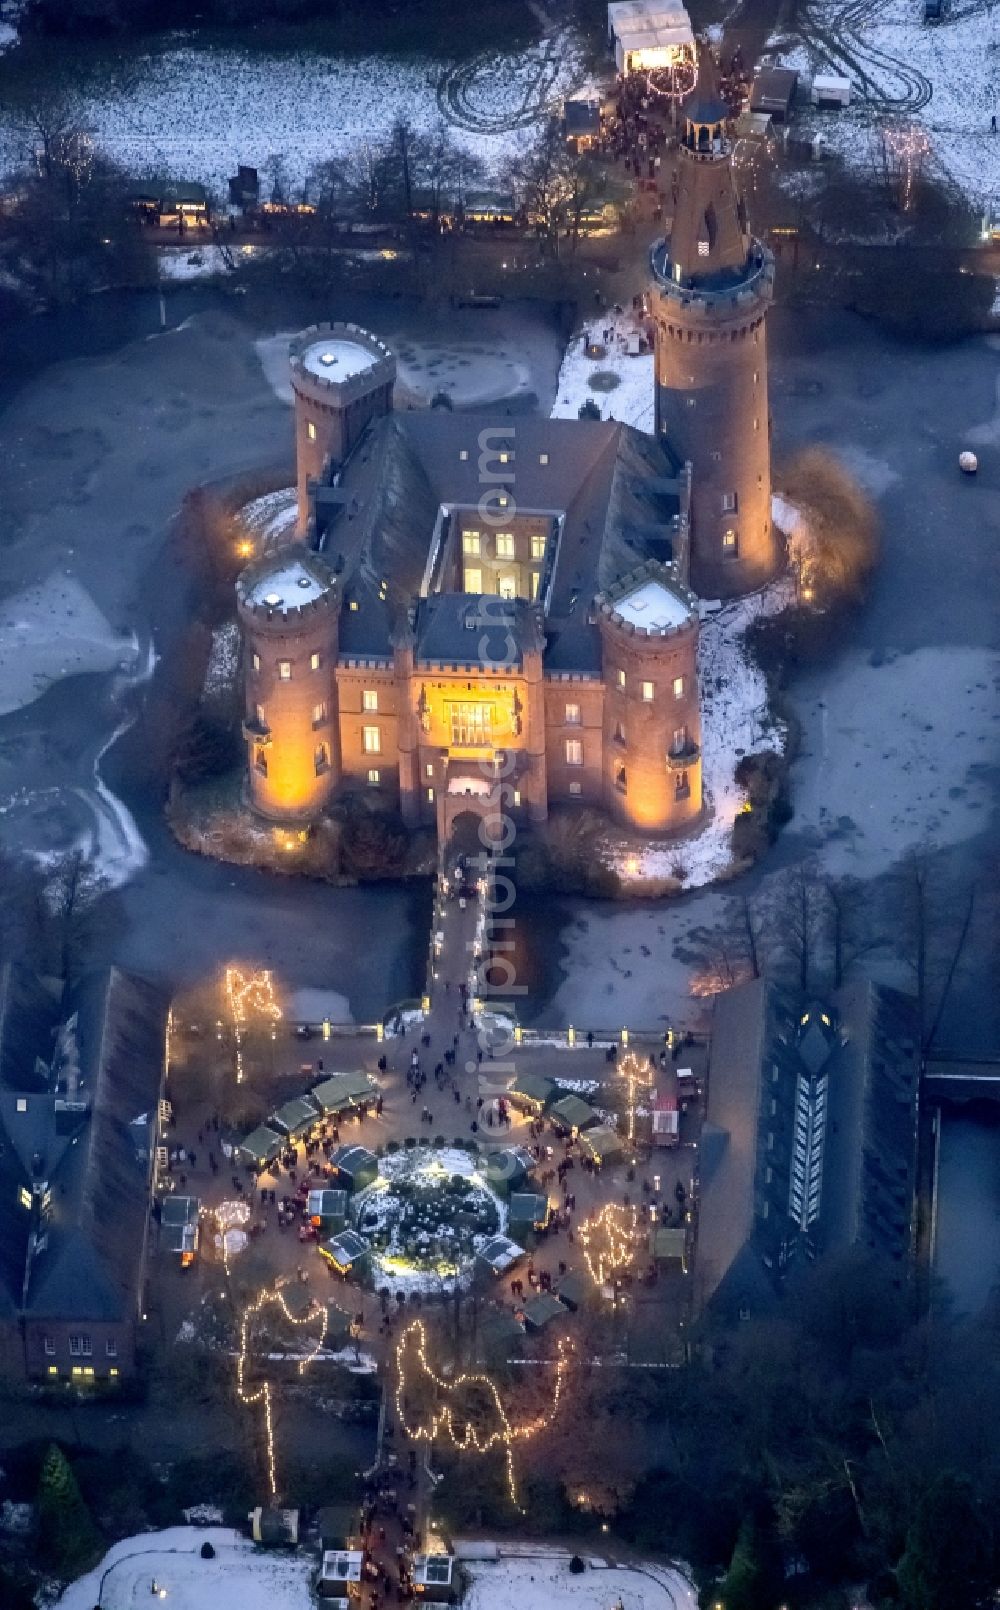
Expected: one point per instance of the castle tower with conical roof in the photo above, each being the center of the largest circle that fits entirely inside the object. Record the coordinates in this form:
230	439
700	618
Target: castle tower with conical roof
713	287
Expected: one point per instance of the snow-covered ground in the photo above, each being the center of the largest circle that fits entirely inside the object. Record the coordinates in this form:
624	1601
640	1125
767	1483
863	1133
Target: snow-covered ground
735	721
271	517
240	1577
942	79
631	401
542	1580
195	115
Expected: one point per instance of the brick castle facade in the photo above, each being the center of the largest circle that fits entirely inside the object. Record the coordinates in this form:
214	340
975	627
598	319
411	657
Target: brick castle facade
473	597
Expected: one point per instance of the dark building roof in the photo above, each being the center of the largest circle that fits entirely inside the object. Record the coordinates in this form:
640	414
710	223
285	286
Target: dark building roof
489	633
80	1148
611	491
769	1052
582	117
705	103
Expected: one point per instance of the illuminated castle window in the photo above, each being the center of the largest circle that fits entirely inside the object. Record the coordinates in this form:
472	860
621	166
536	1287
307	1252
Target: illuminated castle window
259	712
505	544
255	661
260	760
538	547
284	670
574	752
321	759
679	741
372	740
472	724
621	679
576	789
311	431
319	714
621	780
681	787
572	715
535	578
470	543
374	778
648	690
473	579
315	661
730	543
369	700
619	733
729	502
678	687
506	587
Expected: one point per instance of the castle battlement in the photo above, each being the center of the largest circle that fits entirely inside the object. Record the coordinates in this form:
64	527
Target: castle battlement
339	362
286	588
649	602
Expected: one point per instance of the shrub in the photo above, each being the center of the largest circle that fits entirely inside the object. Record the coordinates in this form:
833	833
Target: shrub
410	1142
207	1551
836	545
604	380
576	1565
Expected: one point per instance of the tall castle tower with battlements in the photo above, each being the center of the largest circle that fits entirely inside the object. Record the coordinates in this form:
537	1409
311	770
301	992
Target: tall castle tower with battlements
713	285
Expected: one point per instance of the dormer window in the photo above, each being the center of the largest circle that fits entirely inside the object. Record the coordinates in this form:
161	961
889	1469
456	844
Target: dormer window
463	453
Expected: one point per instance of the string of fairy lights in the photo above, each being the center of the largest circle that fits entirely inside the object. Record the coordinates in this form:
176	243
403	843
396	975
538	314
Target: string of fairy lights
448	1420
907	146
245	993
609	1240
262	1393
639	1076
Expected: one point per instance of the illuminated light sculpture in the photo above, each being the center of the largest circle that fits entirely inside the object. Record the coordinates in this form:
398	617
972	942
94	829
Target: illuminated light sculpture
248	993
640	1077
250	1396
676	78
457	1427
906	146
609	1240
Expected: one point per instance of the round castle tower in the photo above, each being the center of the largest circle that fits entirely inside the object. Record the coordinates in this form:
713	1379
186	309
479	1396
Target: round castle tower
342	377
288	606
713	285
652	711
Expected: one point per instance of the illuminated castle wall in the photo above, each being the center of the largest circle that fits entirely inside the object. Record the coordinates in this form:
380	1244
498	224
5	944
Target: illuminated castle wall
473	597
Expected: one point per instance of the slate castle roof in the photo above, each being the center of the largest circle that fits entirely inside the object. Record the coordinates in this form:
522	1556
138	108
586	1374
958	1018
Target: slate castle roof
615	493
863	1043
80	1080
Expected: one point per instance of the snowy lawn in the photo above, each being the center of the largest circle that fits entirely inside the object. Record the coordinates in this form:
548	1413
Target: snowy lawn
543	1581
195	115
942	78
239	1577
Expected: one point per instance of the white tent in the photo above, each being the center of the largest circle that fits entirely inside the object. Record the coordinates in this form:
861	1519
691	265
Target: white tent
648	33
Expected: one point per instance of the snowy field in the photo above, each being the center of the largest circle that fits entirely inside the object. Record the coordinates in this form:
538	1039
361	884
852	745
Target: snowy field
941	78
195	115
543	1581
239	1578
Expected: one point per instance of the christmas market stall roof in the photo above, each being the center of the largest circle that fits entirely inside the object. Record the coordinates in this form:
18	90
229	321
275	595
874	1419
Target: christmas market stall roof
355	1166
337	1525
528	1211
261	1146
602	1144
508	1168
345	1250
573	1291
533	1088
80	1083
342	1091
573	1113
327	1206
501	1254
542	1310
179	1224
668	1243
295	1116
